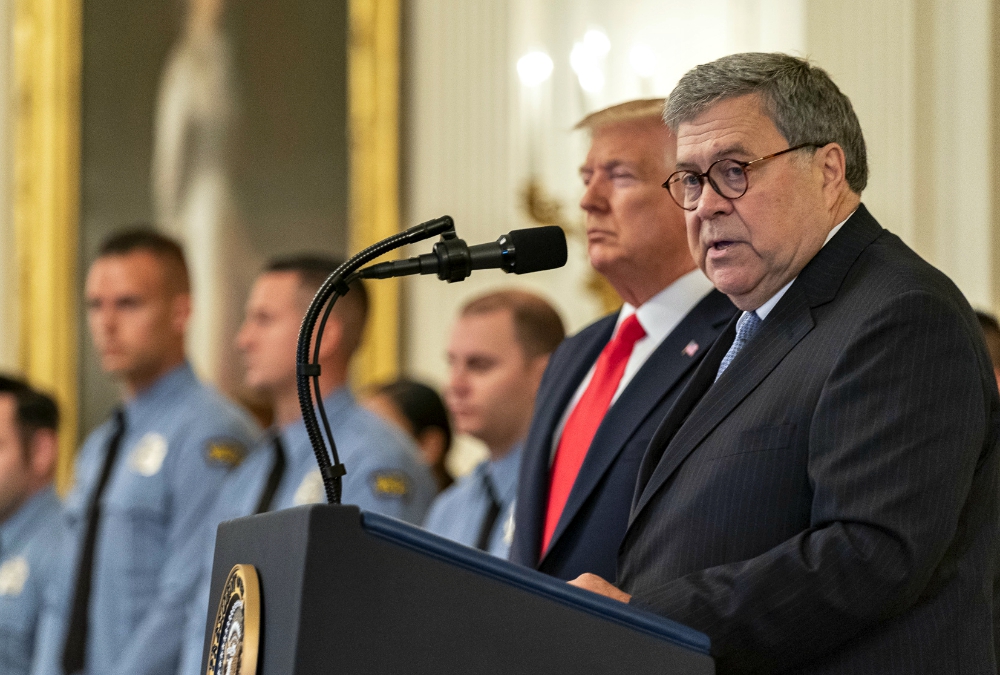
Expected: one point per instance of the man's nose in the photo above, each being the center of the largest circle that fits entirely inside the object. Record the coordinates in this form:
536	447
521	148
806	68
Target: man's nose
458	381
595	196
242	339
711	203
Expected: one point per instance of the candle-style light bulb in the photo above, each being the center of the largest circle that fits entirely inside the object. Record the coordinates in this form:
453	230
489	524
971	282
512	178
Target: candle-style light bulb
534	68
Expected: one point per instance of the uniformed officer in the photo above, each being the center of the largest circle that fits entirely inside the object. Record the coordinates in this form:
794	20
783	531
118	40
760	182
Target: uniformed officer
145	479
30	517
384	472
498	350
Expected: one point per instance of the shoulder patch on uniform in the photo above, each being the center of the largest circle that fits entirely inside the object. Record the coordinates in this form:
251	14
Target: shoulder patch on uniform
13	576
146	458
225	451
388	483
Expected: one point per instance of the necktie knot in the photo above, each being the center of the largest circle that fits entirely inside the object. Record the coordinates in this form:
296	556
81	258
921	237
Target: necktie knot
630	332
746	327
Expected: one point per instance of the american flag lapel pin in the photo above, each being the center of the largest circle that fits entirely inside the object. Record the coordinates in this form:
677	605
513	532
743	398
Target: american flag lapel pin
691	349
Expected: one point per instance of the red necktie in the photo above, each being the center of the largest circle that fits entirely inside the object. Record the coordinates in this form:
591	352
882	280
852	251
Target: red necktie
586	417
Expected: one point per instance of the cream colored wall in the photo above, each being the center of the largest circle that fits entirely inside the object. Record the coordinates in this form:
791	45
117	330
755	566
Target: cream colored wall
919	73
458	160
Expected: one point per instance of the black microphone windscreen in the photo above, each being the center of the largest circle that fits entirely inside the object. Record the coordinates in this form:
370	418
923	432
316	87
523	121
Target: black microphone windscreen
538	248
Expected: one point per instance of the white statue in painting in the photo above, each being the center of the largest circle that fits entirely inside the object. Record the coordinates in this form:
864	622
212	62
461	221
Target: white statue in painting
192	190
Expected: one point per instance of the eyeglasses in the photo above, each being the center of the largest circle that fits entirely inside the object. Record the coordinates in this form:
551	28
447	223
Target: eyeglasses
728	178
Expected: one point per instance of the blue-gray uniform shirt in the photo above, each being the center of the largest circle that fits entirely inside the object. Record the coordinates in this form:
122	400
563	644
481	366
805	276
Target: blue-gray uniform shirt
181	440
384	475
29	545
458	512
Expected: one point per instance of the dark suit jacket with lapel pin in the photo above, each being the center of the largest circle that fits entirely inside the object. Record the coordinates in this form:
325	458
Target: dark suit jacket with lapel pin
830	504
593	521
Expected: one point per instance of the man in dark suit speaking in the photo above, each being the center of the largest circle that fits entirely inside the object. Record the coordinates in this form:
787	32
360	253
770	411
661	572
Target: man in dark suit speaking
607	388
823	496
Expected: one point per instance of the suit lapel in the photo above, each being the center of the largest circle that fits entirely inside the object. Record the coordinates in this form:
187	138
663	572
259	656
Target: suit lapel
682	407
550	411
789	322
656	379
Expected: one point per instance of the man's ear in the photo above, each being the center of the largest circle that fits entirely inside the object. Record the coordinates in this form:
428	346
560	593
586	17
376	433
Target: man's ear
43	455
536	368
333	335
832	165
180	312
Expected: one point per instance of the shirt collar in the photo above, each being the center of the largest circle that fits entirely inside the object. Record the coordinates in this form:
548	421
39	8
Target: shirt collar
661	313
766	308
173	383
503	473
20	525
294	435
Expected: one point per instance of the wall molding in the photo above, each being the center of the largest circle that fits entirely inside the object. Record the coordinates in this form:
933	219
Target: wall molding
373	86
46	74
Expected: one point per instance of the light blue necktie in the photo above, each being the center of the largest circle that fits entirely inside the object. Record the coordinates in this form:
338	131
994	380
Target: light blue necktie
746	327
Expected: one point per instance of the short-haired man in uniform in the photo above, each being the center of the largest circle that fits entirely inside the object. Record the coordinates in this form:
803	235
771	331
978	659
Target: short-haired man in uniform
30	517
384	471
498	350
145	479
608	386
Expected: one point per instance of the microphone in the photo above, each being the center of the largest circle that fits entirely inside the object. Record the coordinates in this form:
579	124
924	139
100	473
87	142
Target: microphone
520	252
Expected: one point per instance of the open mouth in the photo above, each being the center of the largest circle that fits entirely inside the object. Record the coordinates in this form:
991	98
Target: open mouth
721	245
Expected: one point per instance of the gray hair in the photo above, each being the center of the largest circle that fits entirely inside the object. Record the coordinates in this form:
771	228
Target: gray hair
800	99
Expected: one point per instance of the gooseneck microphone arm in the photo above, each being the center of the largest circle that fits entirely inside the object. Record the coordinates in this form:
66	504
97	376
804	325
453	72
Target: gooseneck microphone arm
335	286
520	252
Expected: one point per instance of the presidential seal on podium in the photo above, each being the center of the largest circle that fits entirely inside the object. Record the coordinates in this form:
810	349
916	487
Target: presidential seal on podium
236	633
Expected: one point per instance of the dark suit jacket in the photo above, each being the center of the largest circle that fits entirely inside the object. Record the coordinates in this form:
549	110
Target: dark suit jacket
830	504
596	513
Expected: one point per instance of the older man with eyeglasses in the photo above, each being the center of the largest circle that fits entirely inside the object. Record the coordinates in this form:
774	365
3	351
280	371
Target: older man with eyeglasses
823	496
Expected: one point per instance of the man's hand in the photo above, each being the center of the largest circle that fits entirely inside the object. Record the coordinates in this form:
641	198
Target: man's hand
596	584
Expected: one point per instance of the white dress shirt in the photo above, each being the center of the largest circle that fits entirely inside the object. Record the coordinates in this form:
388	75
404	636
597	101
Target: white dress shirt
658	316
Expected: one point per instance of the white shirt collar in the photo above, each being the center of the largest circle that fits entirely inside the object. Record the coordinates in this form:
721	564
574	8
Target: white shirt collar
661	313
766	308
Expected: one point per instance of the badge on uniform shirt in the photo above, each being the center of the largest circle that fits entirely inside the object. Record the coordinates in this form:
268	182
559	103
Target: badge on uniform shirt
310	490
236	633
389	484
226	451
508	528
147	457
13	576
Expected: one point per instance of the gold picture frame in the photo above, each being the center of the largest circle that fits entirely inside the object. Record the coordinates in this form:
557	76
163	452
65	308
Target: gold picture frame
46	120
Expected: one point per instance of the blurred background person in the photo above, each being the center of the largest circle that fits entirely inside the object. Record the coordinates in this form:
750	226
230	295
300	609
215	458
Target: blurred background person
991	331
30	517
497	352
418	410
609	386
145	479
384	471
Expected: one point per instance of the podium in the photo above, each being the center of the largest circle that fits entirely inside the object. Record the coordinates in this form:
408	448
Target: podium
347	591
